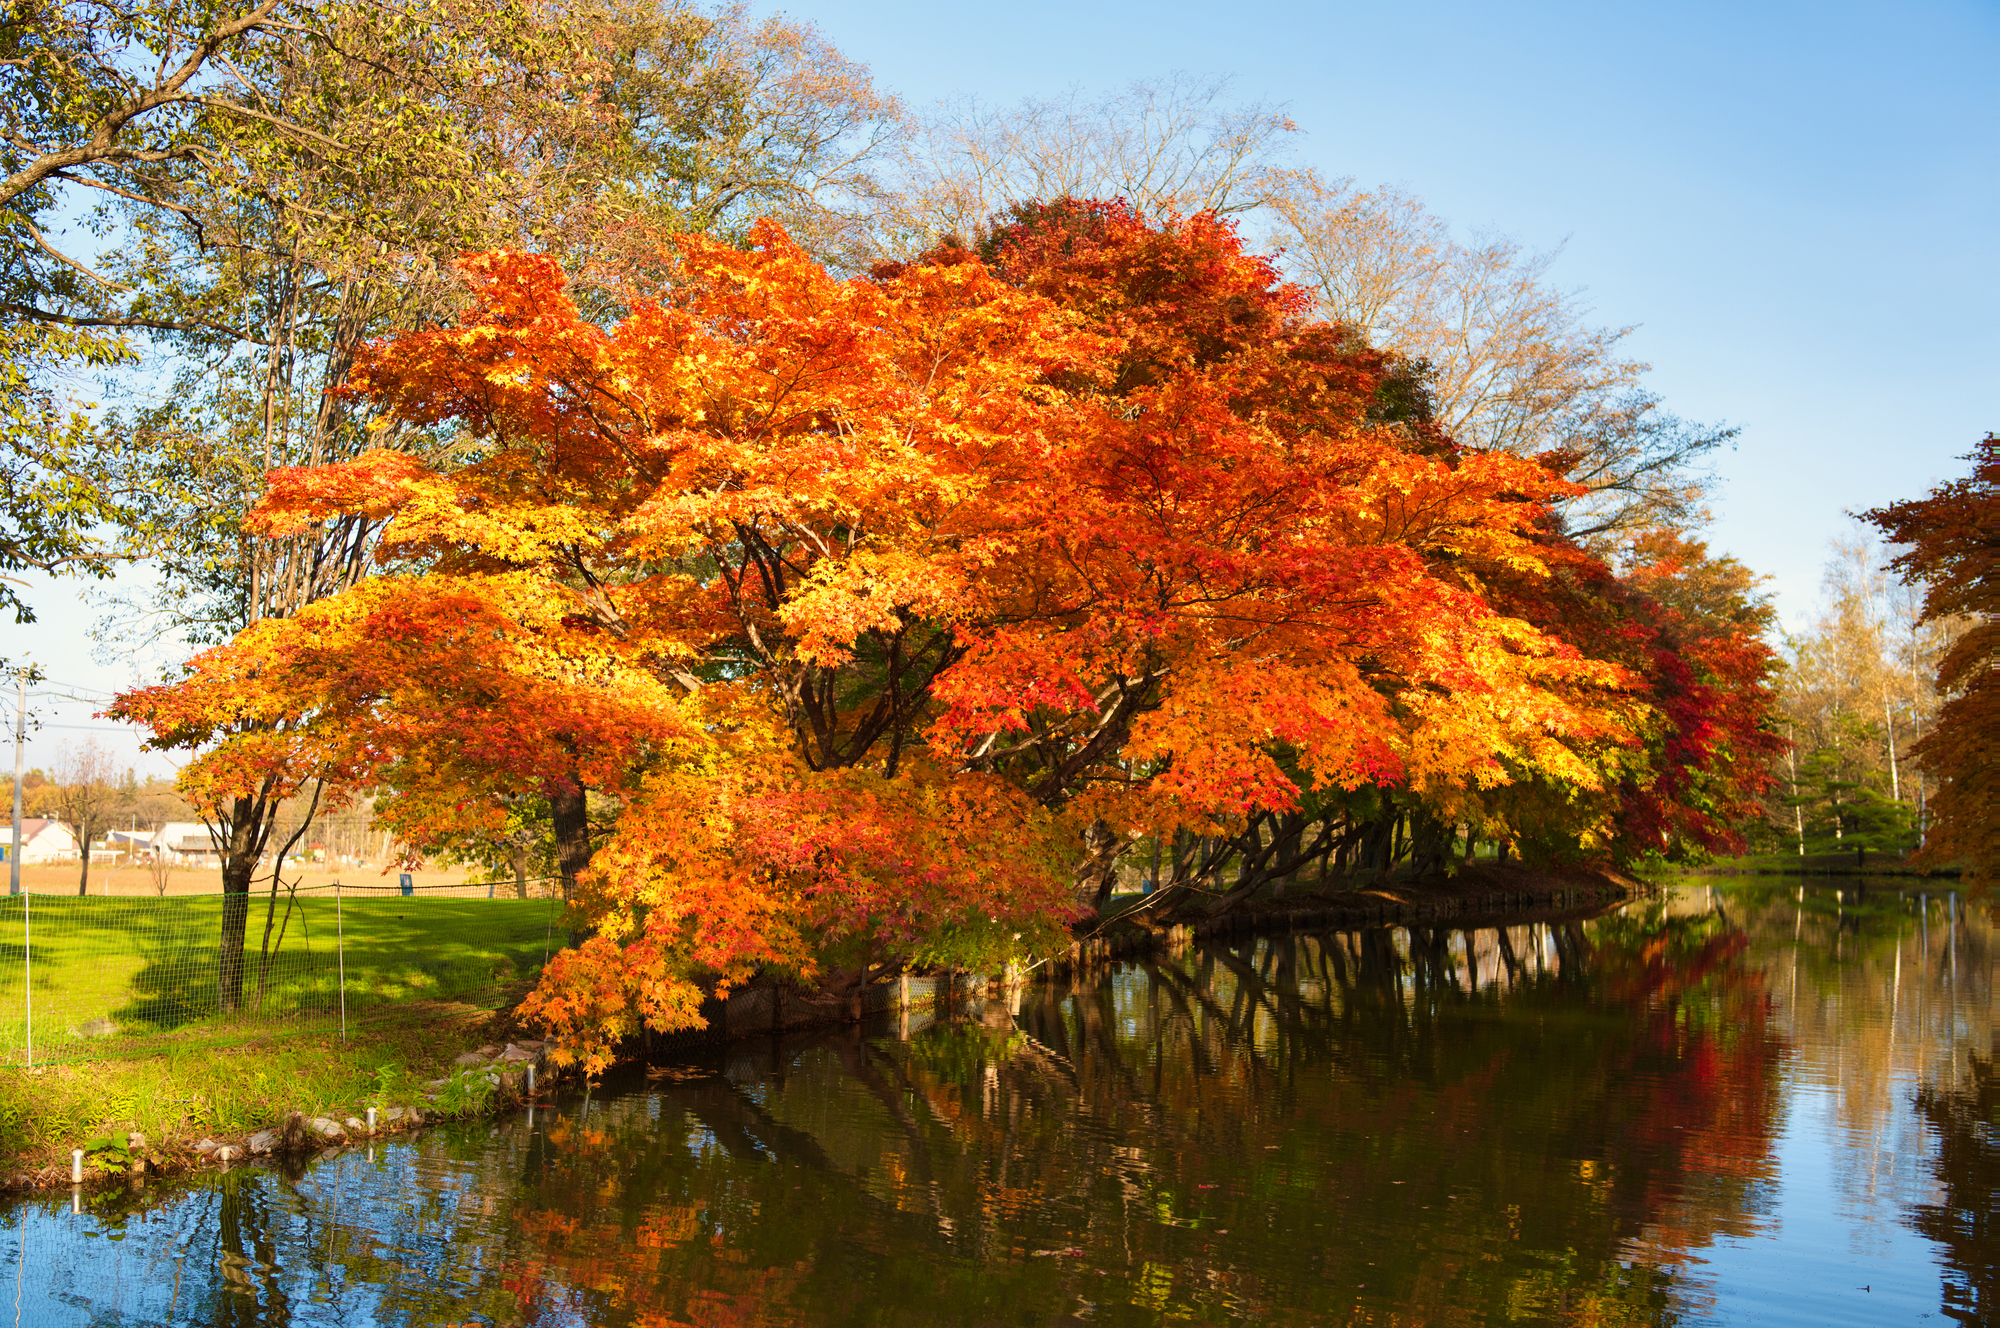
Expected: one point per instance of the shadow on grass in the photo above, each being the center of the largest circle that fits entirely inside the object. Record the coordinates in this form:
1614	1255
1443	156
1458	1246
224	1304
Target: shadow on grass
136	966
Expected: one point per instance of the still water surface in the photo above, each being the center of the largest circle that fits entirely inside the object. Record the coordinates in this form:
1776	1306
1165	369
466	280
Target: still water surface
1765	1104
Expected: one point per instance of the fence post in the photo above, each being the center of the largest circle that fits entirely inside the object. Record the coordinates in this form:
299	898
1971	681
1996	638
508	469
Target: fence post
20	825
340	948
28	977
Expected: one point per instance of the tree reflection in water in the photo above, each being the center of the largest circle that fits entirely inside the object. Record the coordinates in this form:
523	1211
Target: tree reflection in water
1541	1124
1521	1125
1966	1119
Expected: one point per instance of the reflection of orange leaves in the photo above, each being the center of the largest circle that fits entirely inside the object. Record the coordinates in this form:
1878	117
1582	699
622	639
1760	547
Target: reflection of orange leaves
1714	1101
720	1289
664	1225
524	1282
548	1225
760	1304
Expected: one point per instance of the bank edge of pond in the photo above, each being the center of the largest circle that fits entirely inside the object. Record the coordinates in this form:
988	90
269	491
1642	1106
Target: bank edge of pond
483	1056
1821	865
1475	897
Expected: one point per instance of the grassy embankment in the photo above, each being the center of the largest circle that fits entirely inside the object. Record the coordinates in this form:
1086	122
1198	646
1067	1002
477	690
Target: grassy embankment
1870	863
183	1092
423	976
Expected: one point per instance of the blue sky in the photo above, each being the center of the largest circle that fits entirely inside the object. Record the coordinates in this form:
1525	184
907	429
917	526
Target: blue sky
1799	205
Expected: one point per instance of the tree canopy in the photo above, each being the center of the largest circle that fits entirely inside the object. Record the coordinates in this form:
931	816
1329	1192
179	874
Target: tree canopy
1951	545
850	623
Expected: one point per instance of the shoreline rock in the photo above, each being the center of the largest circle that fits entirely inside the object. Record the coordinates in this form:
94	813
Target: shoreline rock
297	1136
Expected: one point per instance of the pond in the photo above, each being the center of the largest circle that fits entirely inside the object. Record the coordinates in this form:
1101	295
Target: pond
1769	1103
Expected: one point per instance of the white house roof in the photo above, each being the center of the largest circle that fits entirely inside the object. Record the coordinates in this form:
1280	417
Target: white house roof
184	837
41	838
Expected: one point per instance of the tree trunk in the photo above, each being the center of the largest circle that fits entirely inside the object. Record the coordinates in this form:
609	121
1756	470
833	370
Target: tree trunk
1098	871
83	882
239	866
572	827
517	858
1376	845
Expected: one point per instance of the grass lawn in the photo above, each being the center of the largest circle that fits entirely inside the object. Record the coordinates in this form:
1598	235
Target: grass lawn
187	1088
131	966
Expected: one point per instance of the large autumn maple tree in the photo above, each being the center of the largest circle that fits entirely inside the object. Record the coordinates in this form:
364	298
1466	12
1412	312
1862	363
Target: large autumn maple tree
845	624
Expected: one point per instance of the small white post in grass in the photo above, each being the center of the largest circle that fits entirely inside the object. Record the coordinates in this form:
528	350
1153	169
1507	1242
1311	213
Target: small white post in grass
531	1078
371	1120
340	945
76	1166
20	738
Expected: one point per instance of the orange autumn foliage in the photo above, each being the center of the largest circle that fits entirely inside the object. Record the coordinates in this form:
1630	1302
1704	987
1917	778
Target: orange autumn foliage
858	606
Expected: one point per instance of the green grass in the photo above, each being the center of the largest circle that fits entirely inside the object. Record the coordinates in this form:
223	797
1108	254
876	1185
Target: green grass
1844	863
147	966
187	1089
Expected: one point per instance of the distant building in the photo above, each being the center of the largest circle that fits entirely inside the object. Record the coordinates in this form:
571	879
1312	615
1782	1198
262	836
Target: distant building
42	840
186	844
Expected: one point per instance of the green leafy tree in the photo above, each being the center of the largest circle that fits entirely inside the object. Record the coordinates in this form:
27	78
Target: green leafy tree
388	140
53	503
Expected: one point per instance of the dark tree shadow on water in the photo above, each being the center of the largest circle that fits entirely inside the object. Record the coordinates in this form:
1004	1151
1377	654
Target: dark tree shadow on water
1965	1120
